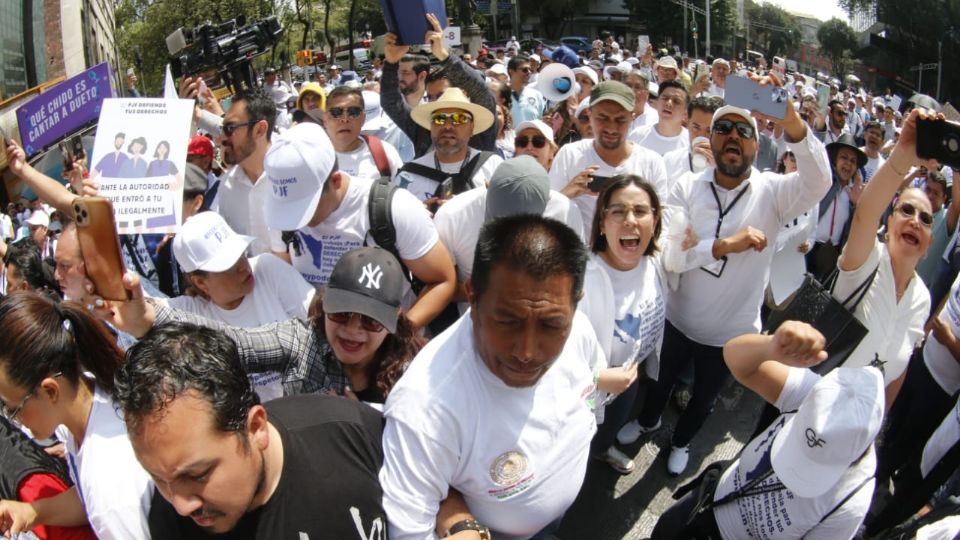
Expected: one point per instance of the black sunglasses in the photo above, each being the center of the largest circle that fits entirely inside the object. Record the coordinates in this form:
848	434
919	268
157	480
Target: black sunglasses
908	210
367	323
352	112
228	129
724	127
539	141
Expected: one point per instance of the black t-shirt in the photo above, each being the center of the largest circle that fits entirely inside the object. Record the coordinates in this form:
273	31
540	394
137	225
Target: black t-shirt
329	487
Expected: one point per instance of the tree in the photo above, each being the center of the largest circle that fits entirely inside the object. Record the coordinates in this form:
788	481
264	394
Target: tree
777	34
664	21
837	40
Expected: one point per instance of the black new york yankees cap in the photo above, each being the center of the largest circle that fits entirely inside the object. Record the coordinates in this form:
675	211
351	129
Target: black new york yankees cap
369	281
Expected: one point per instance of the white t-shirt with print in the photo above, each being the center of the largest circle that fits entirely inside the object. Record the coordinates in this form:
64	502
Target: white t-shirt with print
360	162
574	157
780	514
347	229
114	488
893	328
424	188
649	137
639	311
518	455
940	362
279	293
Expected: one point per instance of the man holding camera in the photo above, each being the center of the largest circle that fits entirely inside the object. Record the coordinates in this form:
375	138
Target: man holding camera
581	168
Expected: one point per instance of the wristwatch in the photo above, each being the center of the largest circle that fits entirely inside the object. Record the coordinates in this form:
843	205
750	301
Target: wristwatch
469	525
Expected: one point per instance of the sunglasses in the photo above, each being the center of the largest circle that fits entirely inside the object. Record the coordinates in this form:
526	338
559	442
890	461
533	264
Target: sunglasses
539	141
908	210
455	118
366	323
724	127
228	129
352	112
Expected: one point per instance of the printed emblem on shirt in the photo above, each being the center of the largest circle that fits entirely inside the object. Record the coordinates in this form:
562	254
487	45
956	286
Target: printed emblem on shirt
509	470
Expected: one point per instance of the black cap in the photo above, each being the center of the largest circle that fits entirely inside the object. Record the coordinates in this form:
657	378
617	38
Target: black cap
846	140
368	281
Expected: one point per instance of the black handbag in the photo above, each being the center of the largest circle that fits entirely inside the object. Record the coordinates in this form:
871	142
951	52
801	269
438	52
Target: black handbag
815	305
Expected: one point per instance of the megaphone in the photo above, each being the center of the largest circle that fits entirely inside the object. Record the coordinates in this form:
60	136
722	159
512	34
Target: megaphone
556	82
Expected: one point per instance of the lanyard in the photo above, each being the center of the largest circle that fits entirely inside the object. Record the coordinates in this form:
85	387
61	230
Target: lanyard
724	211
833	216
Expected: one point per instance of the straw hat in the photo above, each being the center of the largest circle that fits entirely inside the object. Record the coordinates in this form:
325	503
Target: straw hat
453	98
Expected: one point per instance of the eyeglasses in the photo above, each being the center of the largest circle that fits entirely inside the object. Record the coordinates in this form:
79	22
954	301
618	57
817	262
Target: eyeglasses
539	141
908	210
724	127
619	212
352	112
455	118
11	415
366	323
228	129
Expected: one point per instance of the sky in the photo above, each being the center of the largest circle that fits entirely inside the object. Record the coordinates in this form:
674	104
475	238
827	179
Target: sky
821	9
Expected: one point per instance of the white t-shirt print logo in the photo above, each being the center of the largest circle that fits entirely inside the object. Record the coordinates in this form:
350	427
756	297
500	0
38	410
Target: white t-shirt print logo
377	529
372	274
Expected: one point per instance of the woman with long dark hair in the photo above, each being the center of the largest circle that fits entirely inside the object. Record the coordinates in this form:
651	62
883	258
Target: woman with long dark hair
56	376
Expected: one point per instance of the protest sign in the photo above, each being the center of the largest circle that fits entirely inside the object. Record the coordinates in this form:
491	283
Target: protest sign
139	158
63	109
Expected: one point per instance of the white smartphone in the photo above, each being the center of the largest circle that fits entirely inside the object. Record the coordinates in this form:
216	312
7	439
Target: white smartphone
747	94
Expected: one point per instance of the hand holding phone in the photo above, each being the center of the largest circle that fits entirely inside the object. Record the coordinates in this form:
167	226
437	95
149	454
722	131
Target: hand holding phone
100	246
748	94
597	183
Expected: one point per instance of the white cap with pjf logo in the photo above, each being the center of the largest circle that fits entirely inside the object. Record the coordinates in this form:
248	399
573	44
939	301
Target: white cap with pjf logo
205	242
297	165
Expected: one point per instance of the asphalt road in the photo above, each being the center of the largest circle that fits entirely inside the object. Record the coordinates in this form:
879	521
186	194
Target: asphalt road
612	506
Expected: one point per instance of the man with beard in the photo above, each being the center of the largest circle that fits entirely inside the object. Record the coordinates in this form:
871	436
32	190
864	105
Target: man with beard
735	211
527	103
412	77
453	69
244	140
581	168
836	123
873	139
452	167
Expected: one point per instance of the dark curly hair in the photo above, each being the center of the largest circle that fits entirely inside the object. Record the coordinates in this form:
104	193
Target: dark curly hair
177	357
392	358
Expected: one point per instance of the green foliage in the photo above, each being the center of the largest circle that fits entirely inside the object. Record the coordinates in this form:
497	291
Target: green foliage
664	20
781	41
837	41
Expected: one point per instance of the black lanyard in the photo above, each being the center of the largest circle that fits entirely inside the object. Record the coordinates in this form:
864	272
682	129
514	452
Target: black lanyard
724	211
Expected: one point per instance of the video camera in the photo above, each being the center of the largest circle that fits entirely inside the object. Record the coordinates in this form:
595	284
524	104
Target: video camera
226	48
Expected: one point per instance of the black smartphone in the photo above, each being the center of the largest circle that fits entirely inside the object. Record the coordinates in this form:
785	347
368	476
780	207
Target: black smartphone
597	183
939	140
76	146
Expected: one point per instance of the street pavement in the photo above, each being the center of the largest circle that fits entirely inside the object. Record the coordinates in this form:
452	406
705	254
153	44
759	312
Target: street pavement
612	506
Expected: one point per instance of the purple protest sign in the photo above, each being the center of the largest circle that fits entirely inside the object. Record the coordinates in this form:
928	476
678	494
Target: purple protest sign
64	108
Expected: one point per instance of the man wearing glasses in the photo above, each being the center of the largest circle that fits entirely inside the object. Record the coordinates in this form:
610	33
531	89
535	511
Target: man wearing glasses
735	211
357	155
527	102
452	167
836	123
244	140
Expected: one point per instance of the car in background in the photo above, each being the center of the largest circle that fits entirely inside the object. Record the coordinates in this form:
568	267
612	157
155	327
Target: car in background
577	43
494	46
531	44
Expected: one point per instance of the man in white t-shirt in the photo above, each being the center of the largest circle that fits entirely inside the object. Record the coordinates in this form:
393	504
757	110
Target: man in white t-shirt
519	186
719	71
873	142
498	407
580	168
694	158
317	213
810	473
735	211
357	156
668	133
452	167
244	140
643	113
236	290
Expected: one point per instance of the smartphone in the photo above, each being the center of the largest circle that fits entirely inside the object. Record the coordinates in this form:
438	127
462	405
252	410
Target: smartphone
66	154
939	140
702	69
597	183
748	94
76	147
100	246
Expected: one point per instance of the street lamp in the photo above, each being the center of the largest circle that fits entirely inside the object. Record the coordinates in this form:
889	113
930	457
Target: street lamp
948	33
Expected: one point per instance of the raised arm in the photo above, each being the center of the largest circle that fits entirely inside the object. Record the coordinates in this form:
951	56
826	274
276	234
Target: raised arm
49	190
877	195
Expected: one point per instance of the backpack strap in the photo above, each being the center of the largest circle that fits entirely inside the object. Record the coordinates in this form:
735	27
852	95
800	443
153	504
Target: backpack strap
381	218
461	181
845	499
424	171
379	154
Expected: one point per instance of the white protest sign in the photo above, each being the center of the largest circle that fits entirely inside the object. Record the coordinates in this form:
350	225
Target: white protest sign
451	36
139	159
895	102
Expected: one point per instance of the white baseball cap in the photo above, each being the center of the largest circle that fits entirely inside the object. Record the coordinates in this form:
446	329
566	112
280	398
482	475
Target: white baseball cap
836	423
743	113
582	106
205	242
297	165
373	111
497	69
538	125
588	73
38	218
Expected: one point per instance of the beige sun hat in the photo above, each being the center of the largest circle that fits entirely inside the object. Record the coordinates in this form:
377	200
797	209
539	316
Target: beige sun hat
453	98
